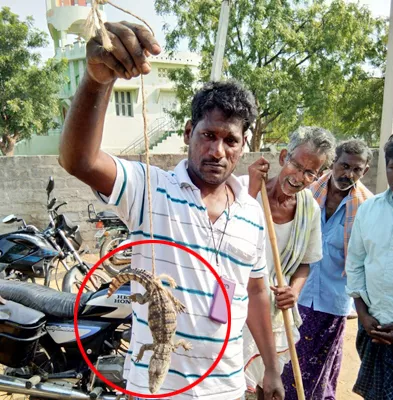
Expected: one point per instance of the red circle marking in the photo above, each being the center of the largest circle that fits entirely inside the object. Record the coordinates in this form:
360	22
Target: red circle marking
82	350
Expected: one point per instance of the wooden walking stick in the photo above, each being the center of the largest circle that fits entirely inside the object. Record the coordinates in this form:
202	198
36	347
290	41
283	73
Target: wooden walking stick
280	280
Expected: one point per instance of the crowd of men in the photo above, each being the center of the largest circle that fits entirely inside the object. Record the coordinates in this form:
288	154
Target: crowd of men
335	240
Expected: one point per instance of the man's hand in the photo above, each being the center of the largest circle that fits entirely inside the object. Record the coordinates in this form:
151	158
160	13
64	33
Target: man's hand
273	388
369	323
383	334
286	297
132	45
260	325
257	171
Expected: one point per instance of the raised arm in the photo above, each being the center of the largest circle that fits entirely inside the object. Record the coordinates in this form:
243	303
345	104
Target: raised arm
257	171
80	153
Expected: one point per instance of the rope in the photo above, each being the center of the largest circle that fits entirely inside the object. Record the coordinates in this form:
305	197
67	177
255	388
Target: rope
93	18
130	13
149	197
91	28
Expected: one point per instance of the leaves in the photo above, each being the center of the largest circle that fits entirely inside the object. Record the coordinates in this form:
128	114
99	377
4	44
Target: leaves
305	61
28	89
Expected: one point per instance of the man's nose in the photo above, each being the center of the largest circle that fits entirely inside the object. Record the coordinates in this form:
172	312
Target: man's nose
217	149
350	174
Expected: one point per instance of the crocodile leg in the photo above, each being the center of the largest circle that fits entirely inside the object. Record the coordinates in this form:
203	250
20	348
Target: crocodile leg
139	298
169	279
142	350
182	343
179	306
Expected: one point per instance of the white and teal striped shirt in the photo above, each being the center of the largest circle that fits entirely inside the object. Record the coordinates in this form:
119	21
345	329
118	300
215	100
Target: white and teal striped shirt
179	215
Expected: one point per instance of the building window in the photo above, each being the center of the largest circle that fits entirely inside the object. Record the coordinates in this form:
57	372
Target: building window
123	102
163	73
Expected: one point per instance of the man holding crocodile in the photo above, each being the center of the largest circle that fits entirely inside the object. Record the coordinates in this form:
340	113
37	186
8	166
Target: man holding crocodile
200	205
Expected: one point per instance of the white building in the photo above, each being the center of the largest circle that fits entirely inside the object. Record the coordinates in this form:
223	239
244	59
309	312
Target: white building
123	131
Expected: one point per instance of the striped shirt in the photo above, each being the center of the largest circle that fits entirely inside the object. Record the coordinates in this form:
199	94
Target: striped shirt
179	215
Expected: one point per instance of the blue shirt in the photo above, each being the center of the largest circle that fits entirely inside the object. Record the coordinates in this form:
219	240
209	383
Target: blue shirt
325	286
370	256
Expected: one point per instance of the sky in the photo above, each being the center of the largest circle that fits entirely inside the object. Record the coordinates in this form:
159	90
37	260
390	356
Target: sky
145	9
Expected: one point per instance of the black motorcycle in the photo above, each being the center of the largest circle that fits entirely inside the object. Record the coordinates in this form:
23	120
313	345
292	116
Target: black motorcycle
38	348
28	253
111	233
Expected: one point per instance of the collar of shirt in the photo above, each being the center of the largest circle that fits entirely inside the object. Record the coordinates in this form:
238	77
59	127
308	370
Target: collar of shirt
184	179
340	206
389	197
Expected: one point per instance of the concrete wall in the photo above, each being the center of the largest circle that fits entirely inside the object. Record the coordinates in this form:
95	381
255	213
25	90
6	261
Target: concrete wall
23	180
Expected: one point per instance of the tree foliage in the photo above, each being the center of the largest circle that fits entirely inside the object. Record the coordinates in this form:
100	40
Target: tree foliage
305	61
28	89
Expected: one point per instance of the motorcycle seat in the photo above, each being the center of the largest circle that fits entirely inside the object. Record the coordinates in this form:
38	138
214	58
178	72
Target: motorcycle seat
107	214
41	298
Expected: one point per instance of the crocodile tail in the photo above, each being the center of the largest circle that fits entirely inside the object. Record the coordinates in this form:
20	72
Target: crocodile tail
141	276
117	282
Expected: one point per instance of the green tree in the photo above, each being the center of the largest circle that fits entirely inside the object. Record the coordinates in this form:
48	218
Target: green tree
28	88
303	60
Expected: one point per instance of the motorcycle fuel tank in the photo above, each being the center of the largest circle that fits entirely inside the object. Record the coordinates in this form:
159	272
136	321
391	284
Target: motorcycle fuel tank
116	307
22	250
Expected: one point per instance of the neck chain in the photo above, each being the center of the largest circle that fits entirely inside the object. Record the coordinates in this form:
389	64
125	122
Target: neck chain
217	249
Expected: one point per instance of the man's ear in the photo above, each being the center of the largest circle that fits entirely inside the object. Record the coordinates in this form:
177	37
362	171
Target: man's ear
283	156
187	132
366	170
244	144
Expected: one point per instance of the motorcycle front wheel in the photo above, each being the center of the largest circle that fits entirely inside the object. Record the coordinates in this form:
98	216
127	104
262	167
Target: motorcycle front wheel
111	266
74	278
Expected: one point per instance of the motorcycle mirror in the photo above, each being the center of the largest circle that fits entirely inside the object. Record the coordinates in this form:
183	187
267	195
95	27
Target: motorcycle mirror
91	211
52	203
51	185
10	219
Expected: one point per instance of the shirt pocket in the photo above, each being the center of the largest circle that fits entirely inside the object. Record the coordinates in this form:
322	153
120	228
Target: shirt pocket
241	252
335	236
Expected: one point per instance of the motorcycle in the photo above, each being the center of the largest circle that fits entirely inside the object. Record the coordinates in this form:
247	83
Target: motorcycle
111	233
38	346
28	253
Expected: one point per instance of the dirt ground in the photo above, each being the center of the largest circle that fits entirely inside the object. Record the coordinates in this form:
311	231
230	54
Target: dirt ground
350	365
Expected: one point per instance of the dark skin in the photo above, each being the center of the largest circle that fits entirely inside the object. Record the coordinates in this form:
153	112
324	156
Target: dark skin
389	173
281	192
215	145
80	154
381	334
346	170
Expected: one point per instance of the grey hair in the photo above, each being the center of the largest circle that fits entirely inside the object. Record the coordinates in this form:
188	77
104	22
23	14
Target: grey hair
321	140
354	146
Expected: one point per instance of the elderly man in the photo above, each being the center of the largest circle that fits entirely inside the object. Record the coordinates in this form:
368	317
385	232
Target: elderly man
369	268
323	303
200	204
296	217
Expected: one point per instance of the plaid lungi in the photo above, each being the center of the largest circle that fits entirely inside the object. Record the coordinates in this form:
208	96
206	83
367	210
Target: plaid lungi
375	378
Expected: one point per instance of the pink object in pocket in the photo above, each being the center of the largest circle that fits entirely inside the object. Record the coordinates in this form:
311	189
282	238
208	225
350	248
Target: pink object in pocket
218	310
